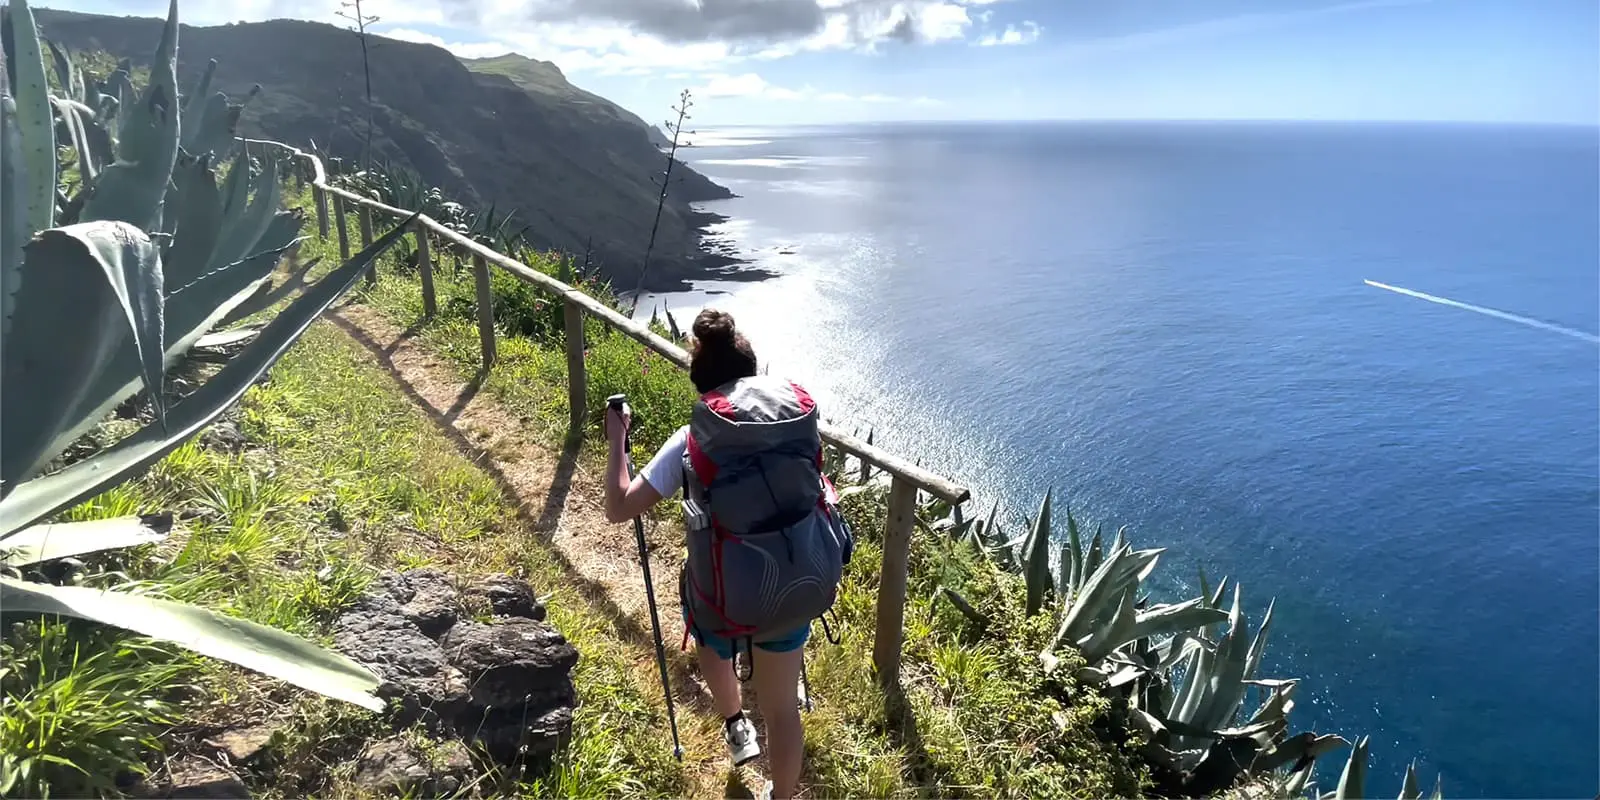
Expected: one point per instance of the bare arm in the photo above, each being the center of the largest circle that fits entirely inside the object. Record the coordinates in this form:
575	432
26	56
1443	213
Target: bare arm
625	499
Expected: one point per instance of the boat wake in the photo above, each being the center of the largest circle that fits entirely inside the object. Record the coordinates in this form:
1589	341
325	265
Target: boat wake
1497	314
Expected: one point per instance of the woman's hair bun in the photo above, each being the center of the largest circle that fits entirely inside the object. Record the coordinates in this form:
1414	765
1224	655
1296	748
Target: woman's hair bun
714	327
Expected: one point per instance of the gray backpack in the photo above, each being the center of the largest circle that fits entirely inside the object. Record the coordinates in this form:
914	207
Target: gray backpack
767	547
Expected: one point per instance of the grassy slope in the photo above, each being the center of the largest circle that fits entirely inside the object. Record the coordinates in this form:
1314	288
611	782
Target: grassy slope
334	444
343	476
982	717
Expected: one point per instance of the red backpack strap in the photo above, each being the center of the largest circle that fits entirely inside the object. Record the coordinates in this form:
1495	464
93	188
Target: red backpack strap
705	470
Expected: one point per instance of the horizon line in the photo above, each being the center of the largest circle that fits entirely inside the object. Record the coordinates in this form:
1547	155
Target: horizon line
1591	125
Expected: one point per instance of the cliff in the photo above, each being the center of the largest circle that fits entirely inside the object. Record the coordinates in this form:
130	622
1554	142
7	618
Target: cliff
511	131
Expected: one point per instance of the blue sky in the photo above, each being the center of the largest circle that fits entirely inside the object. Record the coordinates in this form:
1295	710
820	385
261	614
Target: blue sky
766	62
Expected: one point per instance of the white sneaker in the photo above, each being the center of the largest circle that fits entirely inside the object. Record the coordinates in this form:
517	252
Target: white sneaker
741	738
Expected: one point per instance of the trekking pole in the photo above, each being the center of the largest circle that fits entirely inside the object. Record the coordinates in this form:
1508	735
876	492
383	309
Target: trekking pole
805	682
619	403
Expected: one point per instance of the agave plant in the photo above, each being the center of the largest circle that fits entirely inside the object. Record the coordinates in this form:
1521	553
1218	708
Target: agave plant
1185	667
148	256
1353	780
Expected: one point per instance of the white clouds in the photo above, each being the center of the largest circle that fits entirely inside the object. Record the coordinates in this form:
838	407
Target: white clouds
750	86
940	22
620	37
1027	33
626	47
711	42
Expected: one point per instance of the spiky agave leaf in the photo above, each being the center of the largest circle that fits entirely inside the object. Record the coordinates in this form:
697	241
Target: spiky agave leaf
59	540
36	123
1353	781
92	143
110	273
41	497
14	228
193	104
1218	706
197	207
1112	633
239	641
1175	618
134	188
244	225
1036	559
1095	555
979	535
1076	574
267	295
66	73
1409	790
198	293
1104	587
216	122
1300	749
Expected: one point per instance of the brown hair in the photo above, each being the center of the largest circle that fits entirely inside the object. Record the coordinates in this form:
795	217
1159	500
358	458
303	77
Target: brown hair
720	354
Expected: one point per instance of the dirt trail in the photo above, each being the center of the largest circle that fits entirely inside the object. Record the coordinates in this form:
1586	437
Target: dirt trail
563	501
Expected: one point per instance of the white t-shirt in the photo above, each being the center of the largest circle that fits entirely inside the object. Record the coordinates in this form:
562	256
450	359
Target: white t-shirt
664	473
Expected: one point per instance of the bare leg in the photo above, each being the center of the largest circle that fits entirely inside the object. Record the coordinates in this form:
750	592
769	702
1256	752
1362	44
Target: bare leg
718	673
776	677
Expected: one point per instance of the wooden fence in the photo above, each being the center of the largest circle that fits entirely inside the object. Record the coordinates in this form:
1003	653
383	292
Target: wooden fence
907	479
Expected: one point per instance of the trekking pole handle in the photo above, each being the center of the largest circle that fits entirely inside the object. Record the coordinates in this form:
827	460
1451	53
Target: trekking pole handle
619	403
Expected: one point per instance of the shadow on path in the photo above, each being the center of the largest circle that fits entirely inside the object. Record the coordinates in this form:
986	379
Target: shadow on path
685	687
904	732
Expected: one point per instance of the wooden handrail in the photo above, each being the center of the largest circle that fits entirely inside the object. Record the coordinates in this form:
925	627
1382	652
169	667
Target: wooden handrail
923	479
907	479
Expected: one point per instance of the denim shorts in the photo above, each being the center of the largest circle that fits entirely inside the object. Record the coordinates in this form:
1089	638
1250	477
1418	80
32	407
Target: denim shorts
793	640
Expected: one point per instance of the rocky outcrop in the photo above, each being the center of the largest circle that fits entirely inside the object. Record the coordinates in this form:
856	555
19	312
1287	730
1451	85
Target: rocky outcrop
478	664
194	777
403	767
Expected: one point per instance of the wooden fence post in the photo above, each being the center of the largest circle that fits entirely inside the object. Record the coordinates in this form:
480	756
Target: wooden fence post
322	210
430	303
365	213
892	582
344	228
480	276
577	378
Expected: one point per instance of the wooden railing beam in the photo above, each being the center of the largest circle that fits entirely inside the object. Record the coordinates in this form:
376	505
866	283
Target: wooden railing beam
343	226
365	215
577	376
897	529
430	301
480	277
900	469
321	197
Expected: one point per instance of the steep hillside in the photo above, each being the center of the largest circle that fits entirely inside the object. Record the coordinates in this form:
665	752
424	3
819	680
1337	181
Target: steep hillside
574	166
546	79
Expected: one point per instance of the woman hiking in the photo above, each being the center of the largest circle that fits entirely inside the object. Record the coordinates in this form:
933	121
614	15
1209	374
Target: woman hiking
766	545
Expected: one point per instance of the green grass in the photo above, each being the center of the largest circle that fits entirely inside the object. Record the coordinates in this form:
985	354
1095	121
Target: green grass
81	706
344	477
978	716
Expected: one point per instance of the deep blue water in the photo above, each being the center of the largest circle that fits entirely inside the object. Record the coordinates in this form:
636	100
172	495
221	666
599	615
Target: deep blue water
1168	323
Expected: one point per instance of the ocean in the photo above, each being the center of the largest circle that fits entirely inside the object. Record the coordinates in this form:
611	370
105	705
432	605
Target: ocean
1171	324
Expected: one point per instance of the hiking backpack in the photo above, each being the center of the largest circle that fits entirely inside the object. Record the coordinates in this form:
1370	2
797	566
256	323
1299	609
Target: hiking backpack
767	546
